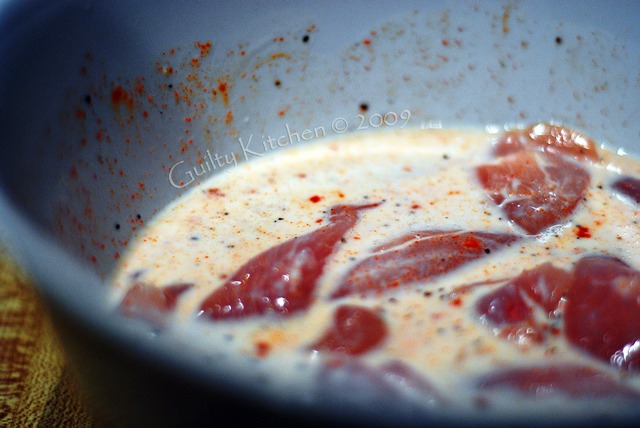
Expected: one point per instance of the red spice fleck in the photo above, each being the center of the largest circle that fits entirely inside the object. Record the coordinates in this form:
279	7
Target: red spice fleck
116	255
472	243
205	48
187	119
73	173
228	118
223	88
280	55
214	191
262	349
445	42
319	220
80	114
141	185
145	114
366	41
83	142
456	302
315	199
582	232
415	206
120	96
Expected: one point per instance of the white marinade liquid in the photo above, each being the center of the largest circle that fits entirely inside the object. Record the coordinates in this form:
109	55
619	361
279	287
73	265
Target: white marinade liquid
425	180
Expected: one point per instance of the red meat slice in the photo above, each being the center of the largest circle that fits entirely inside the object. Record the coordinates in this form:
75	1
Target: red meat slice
545	382
282	279
630	187
418	256
535	190
547	138
504	306
602	314
510	308
354	331
150	303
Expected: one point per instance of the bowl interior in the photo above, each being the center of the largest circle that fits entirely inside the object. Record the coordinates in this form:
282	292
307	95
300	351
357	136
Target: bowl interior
107	106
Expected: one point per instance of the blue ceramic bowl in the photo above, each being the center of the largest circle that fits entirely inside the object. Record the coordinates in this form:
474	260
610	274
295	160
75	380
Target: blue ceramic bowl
97	97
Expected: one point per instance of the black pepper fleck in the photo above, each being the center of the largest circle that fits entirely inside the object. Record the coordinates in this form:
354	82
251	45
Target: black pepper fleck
487	250
364	107
305	38
87	99
277	83
117	226
558	40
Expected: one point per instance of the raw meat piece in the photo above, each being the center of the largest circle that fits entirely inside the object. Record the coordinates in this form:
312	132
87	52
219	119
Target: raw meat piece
283	278
602	314
354	331
418	256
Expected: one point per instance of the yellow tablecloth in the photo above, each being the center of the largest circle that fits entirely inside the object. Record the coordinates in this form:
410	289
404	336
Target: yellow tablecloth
37	387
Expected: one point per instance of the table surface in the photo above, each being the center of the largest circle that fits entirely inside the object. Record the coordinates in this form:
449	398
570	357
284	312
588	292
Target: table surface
37	384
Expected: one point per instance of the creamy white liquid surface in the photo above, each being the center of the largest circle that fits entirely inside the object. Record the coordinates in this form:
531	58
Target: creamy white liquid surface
426	180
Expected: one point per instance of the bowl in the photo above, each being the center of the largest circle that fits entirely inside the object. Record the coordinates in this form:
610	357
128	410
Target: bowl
106	105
